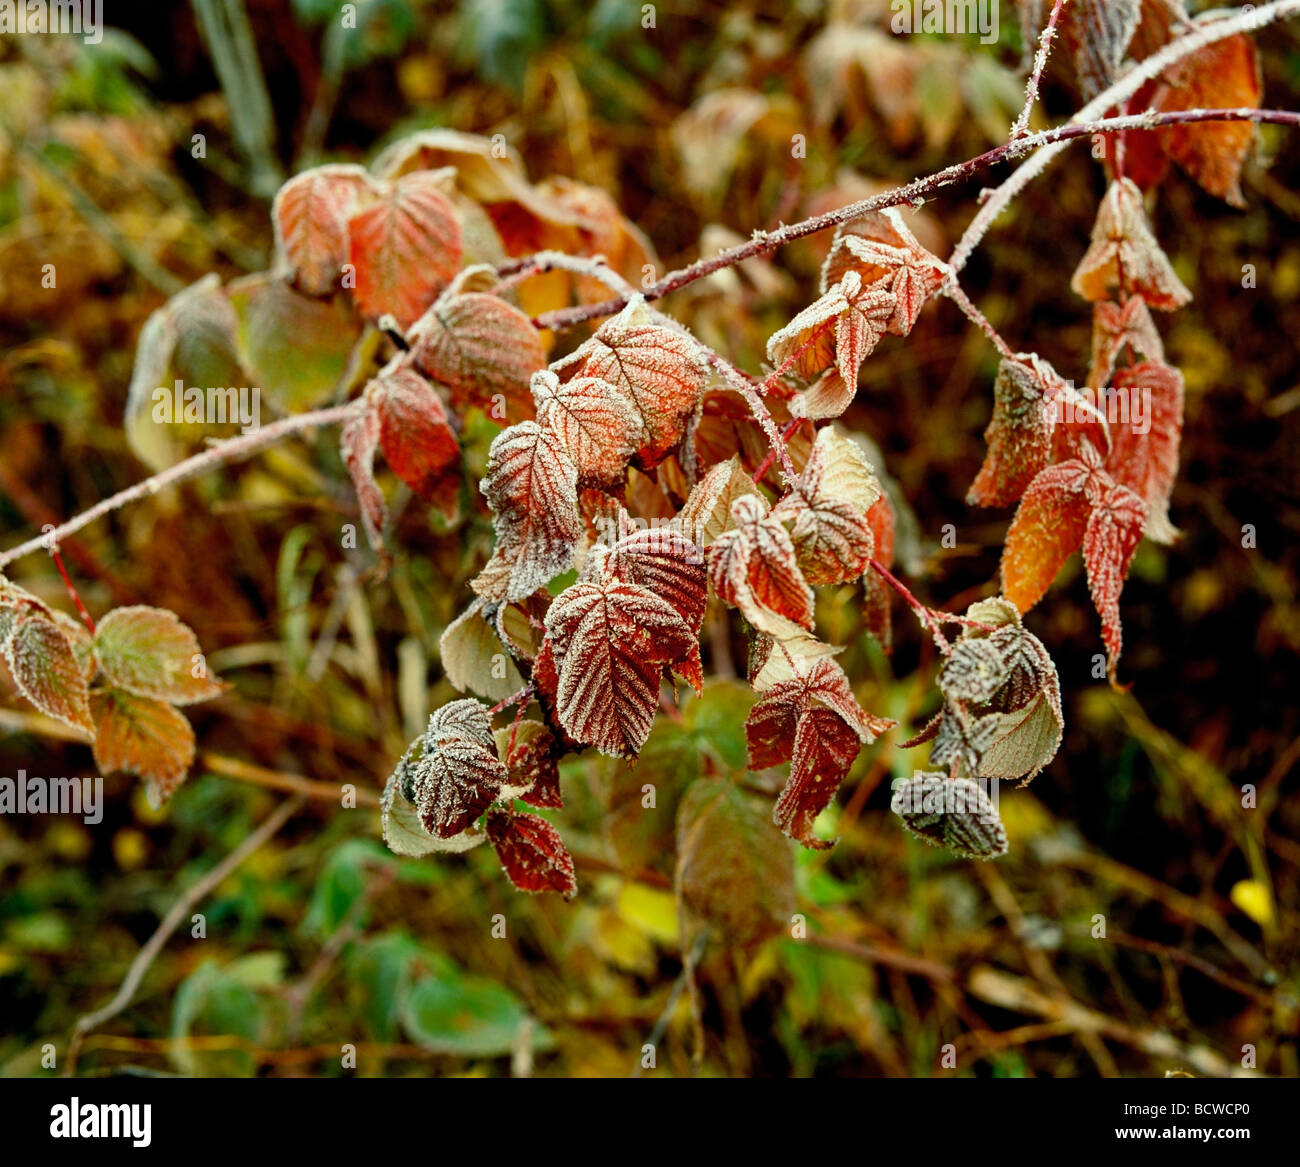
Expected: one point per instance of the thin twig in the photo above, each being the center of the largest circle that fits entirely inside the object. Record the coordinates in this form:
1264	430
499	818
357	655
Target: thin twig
218	455
170	922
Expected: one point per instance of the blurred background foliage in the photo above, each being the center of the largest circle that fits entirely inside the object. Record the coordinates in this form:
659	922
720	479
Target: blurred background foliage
322	938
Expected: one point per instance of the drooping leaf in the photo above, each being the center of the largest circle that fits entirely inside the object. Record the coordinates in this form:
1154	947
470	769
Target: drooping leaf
1124	254
530	753
149	652
1097	34
143	736
358	443
1114	531
44	666
814	721
416	437
532	853
1144	455
457	774
1115	328
532	487
483	349
1222	75
1048	528
405	247
611	640
956	814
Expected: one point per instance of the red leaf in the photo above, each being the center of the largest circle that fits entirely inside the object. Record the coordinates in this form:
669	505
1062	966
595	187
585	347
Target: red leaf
842	327
532	853
1124	253
657	367
483	349
416	437
532	487
611	640
598	422
405	248
533	764
1144	454
814	720
311	213
1113	533
753	568
358	441
1113	329
458	774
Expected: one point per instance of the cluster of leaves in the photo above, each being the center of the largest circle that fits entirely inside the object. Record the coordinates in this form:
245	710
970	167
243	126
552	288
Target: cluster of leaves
120	684
444	252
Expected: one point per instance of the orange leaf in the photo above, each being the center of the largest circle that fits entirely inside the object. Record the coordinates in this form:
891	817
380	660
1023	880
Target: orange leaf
44	666
1048	528
405	248
416	437
310	214
144	737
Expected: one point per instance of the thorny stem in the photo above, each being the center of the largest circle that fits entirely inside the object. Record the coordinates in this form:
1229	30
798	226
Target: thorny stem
758	408
953	290
790	427
1021	126
72	591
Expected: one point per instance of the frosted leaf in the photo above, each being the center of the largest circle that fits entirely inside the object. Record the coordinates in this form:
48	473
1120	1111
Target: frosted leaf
611	640
813	721
953	814
753	567
1144	457
482	349
973	671
1097	33
707	512
45	668
962	739
405	247
142	736
597	421
659	368
1114	531
827	509
532	761
532	487
1122	243
404	832
841	328
457	774
883	252
532	853
149	652
827	397
310	215
1115	328
1047	530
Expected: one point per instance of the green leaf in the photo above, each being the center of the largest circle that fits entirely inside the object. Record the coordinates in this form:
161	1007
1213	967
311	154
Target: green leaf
149	652
455	1013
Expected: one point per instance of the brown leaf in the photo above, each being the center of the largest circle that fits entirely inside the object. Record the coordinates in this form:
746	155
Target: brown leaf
44	666
532	853
416	436
144	737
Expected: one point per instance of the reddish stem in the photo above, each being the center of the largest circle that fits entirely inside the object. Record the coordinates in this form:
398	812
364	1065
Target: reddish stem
522	695
926	616
72	591
763	466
